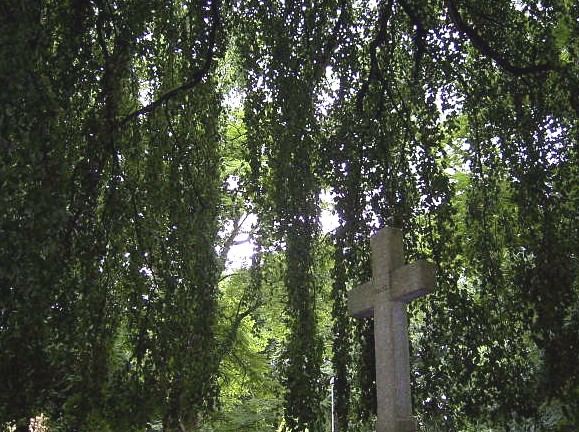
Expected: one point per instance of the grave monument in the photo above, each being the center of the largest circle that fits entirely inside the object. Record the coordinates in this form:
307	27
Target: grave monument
393	285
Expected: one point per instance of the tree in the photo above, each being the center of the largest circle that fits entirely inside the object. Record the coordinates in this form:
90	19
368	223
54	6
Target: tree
125	173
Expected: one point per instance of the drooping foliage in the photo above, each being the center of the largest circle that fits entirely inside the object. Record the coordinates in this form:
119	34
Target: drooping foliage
108	307
127	168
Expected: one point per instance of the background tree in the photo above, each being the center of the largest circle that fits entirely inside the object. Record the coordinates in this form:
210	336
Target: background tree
137	137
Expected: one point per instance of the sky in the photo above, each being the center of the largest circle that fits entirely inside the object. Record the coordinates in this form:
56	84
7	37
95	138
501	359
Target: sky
240	254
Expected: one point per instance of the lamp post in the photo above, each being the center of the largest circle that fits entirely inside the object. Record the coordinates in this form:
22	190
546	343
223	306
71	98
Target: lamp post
332	390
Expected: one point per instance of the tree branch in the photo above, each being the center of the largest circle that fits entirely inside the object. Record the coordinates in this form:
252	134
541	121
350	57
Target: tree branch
419	36
484	47
230	241
231	337
378	41
197	76
228	275
332	41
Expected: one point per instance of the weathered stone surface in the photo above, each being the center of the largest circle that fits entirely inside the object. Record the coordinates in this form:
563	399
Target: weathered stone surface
361	300
412	281
393	285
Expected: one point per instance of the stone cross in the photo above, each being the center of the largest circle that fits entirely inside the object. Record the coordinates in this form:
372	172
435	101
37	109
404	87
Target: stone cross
393	285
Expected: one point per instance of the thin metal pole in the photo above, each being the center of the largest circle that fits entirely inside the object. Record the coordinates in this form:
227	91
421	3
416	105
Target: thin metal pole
332	387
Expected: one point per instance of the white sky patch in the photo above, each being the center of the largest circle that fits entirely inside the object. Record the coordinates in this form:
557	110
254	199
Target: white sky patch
145	86
240	254
234	99
242	250
448	101
145	96
328	95
146	271
329	219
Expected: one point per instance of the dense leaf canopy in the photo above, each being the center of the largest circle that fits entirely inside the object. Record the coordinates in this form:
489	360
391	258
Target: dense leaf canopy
136	137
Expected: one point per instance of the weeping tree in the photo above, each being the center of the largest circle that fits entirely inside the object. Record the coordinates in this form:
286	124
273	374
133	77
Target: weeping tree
454	121
110	174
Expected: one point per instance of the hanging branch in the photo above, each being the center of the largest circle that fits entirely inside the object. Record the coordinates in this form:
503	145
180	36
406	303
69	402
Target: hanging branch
484	47
419	36
197	76
377	42
332	41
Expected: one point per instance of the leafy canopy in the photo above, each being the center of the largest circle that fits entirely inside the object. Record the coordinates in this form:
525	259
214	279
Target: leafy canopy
137	139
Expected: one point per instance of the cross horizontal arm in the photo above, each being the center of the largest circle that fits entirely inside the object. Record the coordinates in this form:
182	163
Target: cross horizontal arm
361	300
412	281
